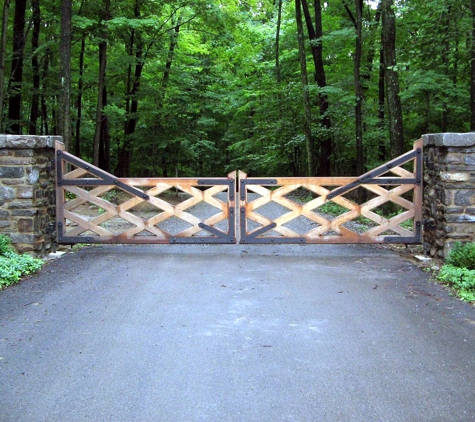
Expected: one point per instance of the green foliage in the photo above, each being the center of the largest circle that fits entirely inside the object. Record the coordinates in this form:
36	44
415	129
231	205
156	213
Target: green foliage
224	106
14	266
461	279
5	245
332	208
462	255
459	270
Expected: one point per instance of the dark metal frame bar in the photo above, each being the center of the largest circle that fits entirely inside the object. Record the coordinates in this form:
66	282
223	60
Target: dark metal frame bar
105	178
370	178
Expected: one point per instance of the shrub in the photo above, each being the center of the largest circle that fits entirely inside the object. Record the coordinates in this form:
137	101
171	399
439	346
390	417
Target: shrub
459	270
13	266
462	256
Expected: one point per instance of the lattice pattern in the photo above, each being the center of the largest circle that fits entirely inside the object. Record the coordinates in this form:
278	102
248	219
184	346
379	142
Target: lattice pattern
370	220
96	207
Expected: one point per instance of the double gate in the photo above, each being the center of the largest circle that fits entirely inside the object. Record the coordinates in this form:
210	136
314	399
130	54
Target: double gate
381	206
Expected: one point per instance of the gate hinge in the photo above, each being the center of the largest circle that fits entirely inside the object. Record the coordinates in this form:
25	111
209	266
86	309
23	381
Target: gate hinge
50	227
429	225
51	165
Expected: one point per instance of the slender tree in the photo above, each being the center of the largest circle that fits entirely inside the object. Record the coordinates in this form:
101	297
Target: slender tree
44	105
64	112
472	68
171	51
315	34
134	75
381	106
16	79
3	47
80	88
277	41
359	88
35	65
310	144
388	37
101	95
357	21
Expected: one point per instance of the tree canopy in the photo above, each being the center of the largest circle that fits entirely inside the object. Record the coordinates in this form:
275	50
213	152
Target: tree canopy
202	87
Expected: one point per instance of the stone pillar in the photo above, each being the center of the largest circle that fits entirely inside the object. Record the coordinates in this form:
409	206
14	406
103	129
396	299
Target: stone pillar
27	191
449	190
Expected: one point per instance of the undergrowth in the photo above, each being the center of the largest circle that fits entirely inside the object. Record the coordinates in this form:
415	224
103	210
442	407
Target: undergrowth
14	266
459	271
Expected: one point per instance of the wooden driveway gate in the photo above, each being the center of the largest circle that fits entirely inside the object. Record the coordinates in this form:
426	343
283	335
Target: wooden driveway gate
381	206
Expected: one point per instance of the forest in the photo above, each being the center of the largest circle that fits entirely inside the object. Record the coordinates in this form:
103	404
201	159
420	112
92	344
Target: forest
150	88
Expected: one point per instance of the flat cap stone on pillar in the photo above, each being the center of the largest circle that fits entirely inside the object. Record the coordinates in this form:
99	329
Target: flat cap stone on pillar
462	140
27	141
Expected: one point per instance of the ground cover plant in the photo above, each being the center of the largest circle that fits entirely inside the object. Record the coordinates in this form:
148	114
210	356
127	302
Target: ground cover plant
459	270
14	266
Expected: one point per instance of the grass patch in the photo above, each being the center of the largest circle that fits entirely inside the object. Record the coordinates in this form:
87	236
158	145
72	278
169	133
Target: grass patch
14	266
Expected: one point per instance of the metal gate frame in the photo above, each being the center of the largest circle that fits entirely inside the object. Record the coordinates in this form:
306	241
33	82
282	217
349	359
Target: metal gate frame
332	230
86	183
86	176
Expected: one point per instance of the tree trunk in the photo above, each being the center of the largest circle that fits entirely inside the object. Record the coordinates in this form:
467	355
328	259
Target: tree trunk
472	69
35	65
388	36
64	113
359	88
3	46
16	79
104	144
310	144
171	51
446	64
77	146
381	106
100	86
125	152
44	108
315	35
277	41
100	100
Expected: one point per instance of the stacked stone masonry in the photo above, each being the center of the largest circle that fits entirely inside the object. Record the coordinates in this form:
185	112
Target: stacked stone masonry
449	190
27	196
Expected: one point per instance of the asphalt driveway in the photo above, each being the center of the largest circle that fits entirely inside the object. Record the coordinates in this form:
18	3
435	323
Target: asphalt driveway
234	333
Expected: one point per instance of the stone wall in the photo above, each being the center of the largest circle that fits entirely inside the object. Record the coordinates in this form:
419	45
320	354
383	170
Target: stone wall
27	204
449	190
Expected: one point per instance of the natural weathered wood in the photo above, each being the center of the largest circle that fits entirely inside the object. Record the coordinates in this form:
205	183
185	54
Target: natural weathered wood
90	217
337	229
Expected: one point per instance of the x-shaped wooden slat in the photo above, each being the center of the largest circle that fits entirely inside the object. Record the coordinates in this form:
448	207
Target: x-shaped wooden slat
139	225
334	225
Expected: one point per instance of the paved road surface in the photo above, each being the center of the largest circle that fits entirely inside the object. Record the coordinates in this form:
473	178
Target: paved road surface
234	333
